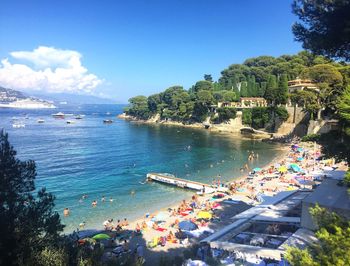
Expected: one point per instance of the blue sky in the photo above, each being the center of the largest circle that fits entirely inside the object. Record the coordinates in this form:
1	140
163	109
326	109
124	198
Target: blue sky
127	48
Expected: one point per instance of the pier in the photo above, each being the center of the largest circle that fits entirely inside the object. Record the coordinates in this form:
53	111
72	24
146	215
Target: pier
178	182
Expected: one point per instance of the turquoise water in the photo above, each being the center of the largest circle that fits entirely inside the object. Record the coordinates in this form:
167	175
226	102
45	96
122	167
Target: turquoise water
112	160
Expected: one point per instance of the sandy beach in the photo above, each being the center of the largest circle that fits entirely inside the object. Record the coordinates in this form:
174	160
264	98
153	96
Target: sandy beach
158	233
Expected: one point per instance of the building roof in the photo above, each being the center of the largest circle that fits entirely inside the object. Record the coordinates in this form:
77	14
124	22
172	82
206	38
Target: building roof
330	194
253	98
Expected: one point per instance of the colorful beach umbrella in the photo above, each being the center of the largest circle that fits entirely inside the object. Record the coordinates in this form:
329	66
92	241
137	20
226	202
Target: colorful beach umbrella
282	169
187	226
101	236
204	215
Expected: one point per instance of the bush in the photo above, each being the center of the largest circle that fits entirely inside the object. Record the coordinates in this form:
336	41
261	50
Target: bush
247	117
282	113
225	114
311	137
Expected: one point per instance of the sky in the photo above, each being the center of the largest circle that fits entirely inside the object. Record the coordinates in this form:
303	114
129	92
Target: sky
119	49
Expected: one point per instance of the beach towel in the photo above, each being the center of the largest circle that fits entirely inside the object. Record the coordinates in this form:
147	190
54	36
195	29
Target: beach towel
161	229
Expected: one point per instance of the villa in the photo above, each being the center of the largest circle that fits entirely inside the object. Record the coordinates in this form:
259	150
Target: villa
300	84
245	102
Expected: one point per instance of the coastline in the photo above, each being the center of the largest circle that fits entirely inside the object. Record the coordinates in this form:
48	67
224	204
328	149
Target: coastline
220	128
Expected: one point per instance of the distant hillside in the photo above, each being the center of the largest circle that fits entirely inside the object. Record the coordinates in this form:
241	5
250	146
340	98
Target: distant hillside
9	95
73	98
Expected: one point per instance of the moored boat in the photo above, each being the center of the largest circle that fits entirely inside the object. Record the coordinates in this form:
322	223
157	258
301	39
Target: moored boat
59	115
107	121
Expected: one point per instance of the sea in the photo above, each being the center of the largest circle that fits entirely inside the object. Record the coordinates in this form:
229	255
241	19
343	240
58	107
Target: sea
89	157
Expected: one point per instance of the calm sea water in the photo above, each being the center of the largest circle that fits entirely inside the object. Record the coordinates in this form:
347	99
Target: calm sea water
112	160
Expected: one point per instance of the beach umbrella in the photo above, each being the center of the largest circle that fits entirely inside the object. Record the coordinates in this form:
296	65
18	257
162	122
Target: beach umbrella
282	169
300	159
101	237
187	226
162	216
204	215
257	169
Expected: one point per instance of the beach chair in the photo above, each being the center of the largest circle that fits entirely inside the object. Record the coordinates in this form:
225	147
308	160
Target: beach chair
153	243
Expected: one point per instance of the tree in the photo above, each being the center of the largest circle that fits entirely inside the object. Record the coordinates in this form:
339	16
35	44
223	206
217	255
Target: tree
324	27
208	77
344	110
139	107
203	85
329	82
229	96
28	223
270	92
333	245
244	89
282	90
308	99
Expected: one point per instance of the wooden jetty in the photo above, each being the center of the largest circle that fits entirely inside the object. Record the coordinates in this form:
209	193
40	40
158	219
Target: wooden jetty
178	182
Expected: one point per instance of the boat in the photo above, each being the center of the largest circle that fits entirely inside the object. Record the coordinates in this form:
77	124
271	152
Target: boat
107	121
18	125
63	102
58	115
79	116
70	122
40	121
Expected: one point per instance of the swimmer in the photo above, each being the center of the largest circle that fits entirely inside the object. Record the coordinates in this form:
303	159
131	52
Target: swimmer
103	199
84	196
66	212
94	203
110	199
82	225
132	192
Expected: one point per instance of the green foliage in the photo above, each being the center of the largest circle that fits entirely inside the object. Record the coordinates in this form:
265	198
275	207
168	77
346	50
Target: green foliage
281	112
28	223
247	117
208	77
281	96
225	114
329	82
52	257
203	85
333	245
308	99
259	117
323	26
311	137
229	96
139	107
244	89
344	109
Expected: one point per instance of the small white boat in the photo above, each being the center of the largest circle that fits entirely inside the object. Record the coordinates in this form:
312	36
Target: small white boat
40	121
107	121
18	125
59	115
70	122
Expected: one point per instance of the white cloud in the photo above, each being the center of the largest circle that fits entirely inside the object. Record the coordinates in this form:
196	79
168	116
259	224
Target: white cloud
54	70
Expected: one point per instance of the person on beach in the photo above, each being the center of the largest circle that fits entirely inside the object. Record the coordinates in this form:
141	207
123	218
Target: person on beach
126	245
137	228
144	225
125	222
66	212
82	225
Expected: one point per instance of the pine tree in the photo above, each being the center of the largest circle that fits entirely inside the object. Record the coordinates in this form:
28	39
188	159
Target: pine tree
28	223
282	90
270	92
244	89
